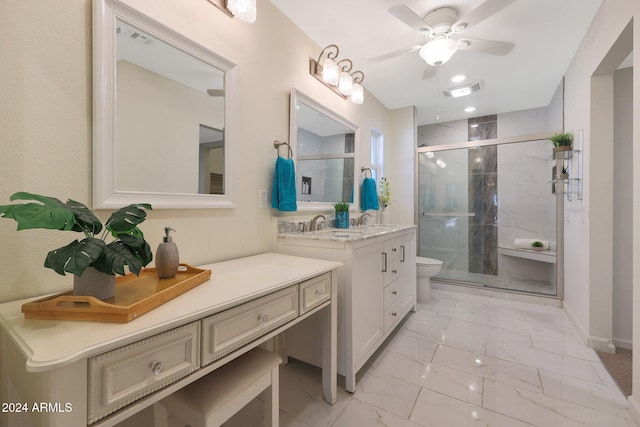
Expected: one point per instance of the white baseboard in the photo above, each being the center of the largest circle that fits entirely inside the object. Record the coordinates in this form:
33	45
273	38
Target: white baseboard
621	343
591	341
634	409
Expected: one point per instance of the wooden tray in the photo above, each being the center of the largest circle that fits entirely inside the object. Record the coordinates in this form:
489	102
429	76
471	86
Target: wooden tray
135	296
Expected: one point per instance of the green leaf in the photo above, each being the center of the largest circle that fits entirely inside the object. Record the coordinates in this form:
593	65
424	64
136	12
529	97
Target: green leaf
127	218
139	247
86	221
115	257
50	213
76	256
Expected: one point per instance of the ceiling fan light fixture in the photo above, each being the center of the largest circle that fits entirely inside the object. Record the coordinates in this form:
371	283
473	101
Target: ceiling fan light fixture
438	51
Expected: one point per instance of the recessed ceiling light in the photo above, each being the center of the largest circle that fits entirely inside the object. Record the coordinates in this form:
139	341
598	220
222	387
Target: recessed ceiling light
470	109
458	78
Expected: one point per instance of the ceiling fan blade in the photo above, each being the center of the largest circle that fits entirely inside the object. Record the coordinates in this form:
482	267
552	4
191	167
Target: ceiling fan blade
485	46
395	53
409	17
429	72
481	13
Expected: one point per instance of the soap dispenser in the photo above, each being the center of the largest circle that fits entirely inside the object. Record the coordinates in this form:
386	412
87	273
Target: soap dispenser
167	256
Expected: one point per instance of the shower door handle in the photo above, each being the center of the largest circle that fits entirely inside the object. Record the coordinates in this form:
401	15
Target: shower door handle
384	262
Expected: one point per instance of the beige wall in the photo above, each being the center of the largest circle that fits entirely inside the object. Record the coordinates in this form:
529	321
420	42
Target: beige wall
588	223
46	125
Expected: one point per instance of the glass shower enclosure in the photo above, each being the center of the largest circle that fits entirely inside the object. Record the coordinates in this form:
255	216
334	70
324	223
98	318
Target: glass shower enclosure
481	205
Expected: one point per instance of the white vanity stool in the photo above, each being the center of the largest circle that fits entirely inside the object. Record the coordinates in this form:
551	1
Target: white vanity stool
216	397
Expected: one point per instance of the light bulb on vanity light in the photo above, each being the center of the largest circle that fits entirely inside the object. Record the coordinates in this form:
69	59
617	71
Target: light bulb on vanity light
244	10
357	94
330	72
345	85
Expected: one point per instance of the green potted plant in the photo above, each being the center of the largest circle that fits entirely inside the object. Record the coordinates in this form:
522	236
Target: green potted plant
92	258
562	141
537	246
564	173
342	214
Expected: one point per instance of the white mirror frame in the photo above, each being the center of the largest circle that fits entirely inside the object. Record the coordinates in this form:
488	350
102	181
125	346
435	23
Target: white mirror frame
105	194
297	96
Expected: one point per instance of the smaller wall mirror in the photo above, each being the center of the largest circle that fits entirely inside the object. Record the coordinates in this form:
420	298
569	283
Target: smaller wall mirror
163	108
324	146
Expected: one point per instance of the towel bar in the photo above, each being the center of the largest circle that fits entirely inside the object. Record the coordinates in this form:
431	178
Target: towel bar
278	144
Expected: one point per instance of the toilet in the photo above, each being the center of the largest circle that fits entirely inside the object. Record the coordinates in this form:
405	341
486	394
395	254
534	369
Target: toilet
426	268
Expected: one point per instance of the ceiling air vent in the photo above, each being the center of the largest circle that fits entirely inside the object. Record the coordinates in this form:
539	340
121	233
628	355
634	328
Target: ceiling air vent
464	90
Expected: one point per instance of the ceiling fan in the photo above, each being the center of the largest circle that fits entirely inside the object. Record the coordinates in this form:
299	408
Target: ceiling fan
442	30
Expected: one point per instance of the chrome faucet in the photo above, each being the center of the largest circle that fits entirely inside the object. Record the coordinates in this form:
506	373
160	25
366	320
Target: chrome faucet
314	222
361	218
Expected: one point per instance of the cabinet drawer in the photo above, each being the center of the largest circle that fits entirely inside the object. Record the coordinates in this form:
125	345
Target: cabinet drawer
224	332
121	376
393	249
392	293
314	292
396	311
392	270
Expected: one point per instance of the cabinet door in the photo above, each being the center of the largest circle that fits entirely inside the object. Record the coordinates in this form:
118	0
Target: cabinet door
366	301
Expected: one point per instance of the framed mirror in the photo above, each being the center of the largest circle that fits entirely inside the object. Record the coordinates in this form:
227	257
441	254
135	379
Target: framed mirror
164	108
324	145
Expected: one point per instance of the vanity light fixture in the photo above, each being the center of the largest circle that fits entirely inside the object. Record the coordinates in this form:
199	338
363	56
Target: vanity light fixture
337	75
244	10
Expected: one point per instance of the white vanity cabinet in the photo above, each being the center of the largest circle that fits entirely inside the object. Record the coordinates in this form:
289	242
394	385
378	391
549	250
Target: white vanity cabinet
376	290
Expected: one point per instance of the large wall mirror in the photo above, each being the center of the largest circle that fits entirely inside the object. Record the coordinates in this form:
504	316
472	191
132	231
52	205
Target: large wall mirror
325	150
163	113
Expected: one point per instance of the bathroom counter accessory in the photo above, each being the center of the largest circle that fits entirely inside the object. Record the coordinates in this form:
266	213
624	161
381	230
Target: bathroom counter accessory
135	296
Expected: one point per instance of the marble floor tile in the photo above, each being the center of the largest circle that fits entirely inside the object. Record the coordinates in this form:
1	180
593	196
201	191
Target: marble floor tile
438	410
489	367
489	332
542	410
558	363
415	347
451	382
565	345
360	414
607	398
388	393
453	338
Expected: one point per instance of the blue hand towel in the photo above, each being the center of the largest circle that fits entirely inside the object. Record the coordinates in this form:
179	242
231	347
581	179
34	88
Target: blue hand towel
283	195
369	198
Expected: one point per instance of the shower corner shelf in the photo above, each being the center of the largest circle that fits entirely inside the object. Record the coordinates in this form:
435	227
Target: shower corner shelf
571	186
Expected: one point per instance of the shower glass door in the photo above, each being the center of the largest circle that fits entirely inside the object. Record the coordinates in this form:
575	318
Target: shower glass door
479	209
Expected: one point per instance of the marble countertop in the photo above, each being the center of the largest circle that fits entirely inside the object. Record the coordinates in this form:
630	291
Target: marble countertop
348	234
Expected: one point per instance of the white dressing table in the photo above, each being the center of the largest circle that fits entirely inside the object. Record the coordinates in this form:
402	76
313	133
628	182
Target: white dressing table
73	373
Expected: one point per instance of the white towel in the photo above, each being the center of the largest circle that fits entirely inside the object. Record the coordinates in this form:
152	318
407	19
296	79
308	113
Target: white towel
526	243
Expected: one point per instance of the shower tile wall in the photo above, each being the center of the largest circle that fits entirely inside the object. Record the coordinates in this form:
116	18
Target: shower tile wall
483	198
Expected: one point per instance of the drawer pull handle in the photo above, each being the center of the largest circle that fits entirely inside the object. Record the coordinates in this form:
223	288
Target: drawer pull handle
156	367
263	318
394	292
320	292
394	314
394	249
394	271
